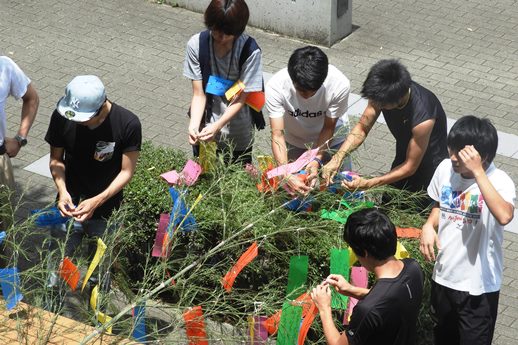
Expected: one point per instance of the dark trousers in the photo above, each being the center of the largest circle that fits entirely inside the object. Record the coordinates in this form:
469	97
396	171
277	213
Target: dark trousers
462	318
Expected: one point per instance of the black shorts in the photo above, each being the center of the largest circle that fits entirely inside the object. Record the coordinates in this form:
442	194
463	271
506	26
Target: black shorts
461	318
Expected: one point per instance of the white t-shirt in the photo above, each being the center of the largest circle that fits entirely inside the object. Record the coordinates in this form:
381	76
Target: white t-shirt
13	82
240	130
470	258
304	118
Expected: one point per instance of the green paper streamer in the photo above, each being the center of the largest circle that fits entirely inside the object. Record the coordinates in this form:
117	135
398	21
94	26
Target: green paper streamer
339	265
289	324
297	275
341	216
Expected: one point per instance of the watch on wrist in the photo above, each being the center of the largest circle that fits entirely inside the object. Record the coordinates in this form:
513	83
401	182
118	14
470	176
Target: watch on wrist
21	140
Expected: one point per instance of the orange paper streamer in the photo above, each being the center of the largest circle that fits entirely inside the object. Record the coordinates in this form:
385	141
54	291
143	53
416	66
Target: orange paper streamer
308	321
272	323
69	272
245	259
256	100
195	326
267	185
408	232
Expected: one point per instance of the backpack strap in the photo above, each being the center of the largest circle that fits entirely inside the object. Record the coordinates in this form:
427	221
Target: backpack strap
248	48
204	59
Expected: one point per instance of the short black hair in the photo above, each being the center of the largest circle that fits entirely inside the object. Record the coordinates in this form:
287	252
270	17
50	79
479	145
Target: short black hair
227	16
387	82
472	130
308	68
370	230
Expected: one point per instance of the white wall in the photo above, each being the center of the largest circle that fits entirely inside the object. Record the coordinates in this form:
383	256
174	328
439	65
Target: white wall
312	20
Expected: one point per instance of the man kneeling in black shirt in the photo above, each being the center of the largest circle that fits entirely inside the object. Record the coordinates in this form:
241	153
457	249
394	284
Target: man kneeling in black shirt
387	312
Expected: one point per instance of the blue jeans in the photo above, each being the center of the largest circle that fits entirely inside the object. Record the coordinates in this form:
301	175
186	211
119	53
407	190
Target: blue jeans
73	234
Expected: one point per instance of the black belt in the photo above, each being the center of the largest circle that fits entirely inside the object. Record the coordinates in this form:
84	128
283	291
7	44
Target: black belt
2	149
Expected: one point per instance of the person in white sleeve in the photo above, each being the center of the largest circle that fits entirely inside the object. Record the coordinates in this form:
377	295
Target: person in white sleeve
474	200
307	105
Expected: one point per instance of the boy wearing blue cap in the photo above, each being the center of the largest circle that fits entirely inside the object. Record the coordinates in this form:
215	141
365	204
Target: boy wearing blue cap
94	147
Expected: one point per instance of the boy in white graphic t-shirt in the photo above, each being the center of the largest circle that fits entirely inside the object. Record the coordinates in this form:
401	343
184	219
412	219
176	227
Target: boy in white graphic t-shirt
474	201
307	105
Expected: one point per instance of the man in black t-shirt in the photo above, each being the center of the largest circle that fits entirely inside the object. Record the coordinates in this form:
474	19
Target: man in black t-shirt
387	312
94	147
415	118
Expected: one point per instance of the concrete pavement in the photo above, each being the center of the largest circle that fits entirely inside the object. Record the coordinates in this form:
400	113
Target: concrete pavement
464	51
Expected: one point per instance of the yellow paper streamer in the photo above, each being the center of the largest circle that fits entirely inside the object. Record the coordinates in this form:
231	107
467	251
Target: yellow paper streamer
401	251
352	257
251	324
208	155
234	90
101	317
101	248
93	297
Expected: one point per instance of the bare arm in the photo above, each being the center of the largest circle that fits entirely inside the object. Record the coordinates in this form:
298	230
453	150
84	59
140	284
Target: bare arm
502	210
429	238
29	109
57	169
212	129
416	149
30	105
87	207
321	295
280	153
198	102
355	138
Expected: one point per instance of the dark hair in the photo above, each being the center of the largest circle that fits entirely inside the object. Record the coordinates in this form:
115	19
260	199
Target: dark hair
227	16
471	130
308	68
370	230
387	82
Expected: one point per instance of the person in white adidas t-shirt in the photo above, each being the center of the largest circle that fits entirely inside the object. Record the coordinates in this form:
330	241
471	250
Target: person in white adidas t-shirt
474	201
307	105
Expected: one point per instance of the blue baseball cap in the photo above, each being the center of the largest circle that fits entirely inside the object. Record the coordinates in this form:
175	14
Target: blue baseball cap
84	96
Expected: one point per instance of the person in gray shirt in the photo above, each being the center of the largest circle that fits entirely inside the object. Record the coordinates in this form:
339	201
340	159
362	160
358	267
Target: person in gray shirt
212	117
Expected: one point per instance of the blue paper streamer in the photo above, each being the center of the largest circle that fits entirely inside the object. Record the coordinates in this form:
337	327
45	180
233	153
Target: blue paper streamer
48	217
2	236
139	328
10	282
179	212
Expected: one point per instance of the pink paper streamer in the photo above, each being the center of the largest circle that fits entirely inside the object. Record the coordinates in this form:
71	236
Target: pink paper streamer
359	278
172	177
294	167
160	235
191	172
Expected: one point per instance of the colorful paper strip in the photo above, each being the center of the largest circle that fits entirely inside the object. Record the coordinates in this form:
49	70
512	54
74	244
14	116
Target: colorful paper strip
10	282
401	251
158	250
307	322
339	265
247	257
3	235
297	275
408	232
272	323
139	323
190	173
69	272
294	167
208	156
195	326
101	248
290	323
256	100
258	332
359	278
